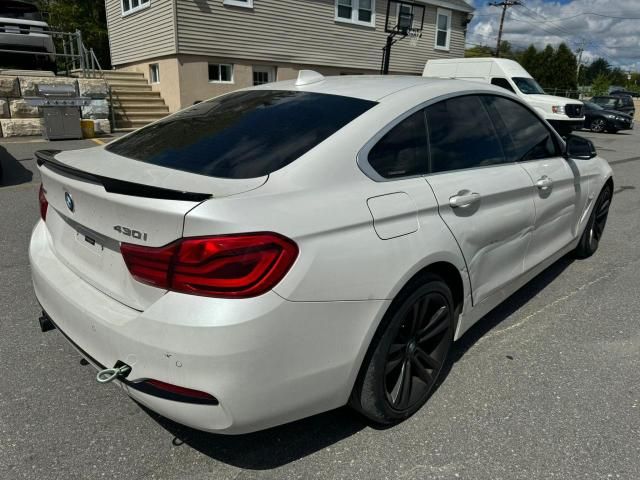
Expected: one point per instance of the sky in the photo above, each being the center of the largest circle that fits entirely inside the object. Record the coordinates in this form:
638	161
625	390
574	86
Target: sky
545	21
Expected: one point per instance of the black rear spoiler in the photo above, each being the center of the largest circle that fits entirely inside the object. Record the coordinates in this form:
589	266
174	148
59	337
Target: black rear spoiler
47	158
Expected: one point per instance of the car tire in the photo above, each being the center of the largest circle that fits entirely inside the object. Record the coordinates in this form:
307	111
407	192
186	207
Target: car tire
407	353
590	239
598	125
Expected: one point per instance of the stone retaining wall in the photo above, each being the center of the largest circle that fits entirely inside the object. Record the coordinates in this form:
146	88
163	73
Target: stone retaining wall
17	118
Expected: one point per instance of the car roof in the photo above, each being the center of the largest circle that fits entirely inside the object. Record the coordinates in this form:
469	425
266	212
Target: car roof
377	87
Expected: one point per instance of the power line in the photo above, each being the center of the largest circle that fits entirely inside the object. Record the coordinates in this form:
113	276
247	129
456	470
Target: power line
554	34
593	46
530	11
594	14
557	31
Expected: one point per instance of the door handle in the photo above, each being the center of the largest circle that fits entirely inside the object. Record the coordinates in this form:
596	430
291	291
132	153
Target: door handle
462	200
544	183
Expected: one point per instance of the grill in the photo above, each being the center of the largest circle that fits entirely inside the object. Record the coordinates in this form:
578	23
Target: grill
573	110
60	110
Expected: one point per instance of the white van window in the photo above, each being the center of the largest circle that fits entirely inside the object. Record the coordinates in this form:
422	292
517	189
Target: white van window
528	86
502	82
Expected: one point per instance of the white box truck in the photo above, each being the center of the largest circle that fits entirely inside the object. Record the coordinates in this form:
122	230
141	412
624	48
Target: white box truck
564	114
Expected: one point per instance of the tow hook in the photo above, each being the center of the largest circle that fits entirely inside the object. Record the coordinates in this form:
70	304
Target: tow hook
119	371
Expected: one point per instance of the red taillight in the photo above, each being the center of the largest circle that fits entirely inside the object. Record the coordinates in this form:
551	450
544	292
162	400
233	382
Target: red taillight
241	266
149	265
44	205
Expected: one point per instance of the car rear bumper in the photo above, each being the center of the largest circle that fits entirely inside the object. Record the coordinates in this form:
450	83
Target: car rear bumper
266	360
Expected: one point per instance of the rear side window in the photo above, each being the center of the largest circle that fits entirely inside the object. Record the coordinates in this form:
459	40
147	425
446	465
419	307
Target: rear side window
242	135
461	135
502	82
403	151
523	135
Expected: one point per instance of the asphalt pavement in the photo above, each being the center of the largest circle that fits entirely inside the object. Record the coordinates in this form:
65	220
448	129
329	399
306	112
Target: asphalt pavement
545	387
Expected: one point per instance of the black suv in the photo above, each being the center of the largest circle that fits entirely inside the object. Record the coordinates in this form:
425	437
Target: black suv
620	103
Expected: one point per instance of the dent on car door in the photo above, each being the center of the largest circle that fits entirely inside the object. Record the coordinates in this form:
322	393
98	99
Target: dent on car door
485	202
557	192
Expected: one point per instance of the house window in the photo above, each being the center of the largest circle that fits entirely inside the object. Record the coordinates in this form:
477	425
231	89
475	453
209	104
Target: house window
262	75
443	29
239	3
131	6
154	73
361	12
220	73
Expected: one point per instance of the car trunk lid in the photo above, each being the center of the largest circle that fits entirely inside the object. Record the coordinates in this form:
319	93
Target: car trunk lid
98	199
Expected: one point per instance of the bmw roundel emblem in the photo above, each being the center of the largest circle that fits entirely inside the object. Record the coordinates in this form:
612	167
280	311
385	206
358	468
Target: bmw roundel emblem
68	199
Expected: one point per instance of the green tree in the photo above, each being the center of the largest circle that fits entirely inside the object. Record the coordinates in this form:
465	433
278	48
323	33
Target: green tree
564	67
599	66
601	85
545	74
88	16
506	50
530	60
478	51
618	77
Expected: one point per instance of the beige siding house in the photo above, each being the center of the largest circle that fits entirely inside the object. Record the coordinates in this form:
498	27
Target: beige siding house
191	50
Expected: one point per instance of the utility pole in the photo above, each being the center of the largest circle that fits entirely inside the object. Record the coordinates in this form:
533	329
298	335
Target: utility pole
580	51
504	4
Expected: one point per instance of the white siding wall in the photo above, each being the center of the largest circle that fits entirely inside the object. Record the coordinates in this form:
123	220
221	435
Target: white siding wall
148	33
302	32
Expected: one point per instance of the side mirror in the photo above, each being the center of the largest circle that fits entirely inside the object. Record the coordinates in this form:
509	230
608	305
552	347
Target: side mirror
579	148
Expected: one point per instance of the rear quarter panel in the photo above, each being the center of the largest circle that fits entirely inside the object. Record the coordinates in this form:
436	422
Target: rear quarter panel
341	258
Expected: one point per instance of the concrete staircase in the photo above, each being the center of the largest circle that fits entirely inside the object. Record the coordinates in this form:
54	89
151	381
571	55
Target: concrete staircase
134	103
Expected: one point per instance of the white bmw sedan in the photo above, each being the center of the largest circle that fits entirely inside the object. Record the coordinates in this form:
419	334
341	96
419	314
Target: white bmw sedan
291	248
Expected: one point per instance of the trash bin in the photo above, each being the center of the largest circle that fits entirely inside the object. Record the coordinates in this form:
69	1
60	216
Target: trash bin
88	128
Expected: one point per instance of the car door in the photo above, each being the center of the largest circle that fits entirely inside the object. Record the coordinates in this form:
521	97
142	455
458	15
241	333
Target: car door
557	193
485	201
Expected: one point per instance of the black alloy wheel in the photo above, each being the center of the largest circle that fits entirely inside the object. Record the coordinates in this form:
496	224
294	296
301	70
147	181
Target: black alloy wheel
598	125
592	234
407	353
418	352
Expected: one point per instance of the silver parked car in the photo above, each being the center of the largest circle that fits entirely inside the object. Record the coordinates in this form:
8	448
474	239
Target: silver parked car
23	30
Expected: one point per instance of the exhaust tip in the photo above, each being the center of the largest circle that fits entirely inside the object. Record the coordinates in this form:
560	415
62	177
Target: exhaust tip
45	323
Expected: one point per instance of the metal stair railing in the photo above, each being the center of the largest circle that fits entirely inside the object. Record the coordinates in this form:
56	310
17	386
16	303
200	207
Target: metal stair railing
91	68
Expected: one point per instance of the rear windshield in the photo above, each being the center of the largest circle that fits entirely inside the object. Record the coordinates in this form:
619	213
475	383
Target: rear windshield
242	135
